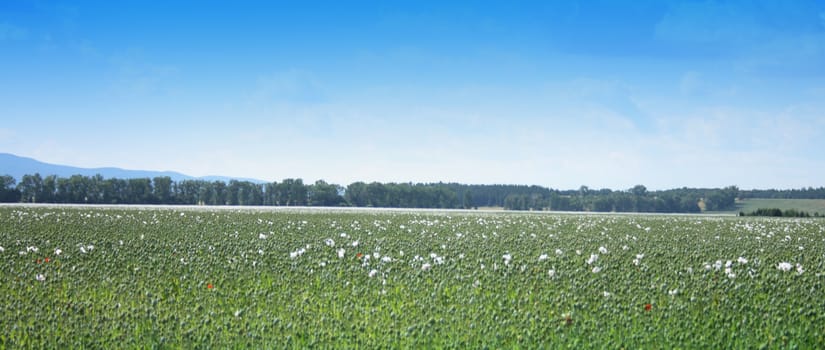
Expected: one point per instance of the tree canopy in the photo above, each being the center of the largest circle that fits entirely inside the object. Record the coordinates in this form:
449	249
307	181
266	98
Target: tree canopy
293	192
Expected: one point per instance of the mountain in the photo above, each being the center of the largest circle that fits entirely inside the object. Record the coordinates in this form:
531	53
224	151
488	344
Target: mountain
17	166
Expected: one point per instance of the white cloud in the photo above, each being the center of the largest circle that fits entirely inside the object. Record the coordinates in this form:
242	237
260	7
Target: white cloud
744	146
562	137
573	146
566	134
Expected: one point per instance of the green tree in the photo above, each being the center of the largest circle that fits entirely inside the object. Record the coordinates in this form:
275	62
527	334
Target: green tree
140	191
377	194
30	186
468	200
162	189
357	194
234	193
639	190
323	194
603	204
116	191
48	191
8	192
298	192
292	192
270	193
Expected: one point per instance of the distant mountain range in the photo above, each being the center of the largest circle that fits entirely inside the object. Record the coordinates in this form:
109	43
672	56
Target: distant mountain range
17	166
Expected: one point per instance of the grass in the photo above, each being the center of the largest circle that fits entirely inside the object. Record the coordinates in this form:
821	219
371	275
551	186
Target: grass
808	205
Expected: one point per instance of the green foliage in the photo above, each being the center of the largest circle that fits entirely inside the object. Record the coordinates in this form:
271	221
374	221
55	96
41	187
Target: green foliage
801	193
776	212
402	195
808	205
195	278
8	193
325	195
293	192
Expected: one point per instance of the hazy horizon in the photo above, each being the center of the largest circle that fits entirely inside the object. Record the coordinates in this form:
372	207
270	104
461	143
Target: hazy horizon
218	177
667	94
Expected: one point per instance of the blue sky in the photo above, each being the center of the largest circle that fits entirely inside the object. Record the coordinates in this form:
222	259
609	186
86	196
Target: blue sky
607	94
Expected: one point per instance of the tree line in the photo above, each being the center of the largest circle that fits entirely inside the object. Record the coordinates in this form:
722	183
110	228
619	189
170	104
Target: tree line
776	212
294	192
636	199
163	190
802	193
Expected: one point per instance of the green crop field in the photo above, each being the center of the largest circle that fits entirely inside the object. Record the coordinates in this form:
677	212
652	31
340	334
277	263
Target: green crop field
810	206
75	277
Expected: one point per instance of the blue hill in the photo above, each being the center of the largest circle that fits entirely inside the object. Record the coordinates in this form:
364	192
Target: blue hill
17	166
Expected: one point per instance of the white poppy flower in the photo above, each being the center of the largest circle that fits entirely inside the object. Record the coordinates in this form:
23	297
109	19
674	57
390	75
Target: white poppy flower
507	257
592	259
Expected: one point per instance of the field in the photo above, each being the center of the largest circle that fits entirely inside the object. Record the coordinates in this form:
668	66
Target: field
183	277
807	205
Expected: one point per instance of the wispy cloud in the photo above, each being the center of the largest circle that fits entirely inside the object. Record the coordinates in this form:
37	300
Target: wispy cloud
293	86
603	94
134	75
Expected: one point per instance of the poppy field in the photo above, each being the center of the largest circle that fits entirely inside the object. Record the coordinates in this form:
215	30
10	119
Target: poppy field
105	277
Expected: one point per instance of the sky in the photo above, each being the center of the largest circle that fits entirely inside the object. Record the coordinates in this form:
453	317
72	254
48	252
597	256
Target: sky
606	94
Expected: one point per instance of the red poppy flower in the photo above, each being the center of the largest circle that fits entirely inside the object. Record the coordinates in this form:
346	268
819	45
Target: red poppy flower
648	307
359	255
47	259
209	286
